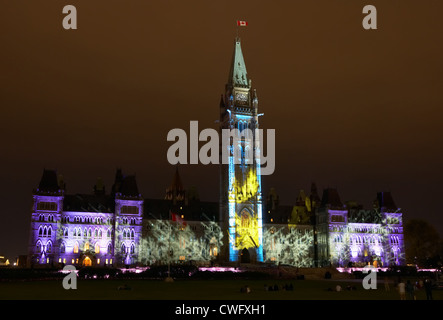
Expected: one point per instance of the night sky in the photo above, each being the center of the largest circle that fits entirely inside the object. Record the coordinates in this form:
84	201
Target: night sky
356	110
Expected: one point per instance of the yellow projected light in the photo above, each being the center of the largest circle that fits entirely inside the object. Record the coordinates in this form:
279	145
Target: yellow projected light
246	227
246	190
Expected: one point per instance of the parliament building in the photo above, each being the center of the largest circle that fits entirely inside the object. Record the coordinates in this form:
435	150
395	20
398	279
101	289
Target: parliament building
122	228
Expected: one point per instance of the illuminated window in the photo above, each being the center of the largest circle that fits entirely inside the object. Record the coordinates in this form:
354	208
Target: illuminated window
98	261
87	262
97	248
59	260
86	248
75	249
72	261
106	261
182	258
245	220
64	260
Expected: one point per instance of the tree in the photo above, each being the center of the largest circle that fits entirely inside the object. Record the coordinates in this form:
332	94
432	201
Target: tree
422	242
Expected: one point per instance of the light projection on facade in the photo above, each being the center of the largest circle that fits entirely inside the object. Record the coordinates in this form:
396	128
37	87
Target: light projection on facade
362	237
289	245
168	241
241	198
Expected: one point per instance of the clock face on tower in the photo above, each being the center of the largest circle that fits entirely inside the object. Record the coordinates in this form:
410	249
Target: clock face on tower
241	97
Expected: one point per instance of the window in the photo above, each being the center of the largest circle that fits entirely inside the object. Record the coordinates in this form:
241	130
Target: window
129	209
40	231
48	247
132	248
75	249
109	248
62	248
123	248
97	248
47	206
244	220
86	246
38	247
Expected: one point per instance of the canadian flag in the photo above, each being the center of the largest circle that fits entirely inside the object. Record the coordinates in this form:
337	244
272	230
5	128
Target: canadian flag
242	23
177	218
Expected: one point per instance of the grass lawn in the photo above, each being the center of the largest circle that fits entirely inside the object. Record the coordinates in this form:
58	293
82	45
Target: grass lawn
197	290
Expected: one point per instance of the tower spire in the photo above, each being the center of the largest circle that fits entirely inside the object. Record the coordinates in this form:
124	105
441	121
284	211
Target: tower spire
238	76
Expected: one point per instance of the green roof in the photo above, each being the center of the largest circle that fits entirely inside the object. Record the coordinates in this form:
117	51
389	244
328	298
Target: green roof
238	76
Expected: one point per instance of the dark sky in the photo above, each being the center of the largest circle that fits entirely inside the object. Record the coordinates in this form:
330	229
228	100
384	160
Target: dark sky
357	110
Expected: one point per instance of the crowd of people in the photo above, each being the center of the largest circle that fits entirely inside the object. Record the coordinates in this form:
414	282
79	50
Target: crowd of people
409	289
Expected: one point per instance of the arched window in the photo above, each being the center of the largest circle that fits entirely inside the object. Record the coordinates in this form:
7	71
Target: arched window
85	233
76	247
124	234
132	248
89	232
62	248
49	231
123	248
45	231
108	233
38	247
100	234
109	248
86	248
97	248
40	231
245	219
132	234
96	233
49	247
